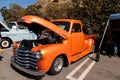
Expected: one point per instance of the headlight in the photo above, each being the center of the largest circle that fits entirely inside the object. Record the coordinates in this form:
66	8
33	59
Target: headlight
38	55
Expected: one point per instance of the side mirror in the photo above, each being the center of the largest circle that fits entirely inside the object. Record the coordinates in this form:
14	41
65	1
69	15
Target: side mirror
14	27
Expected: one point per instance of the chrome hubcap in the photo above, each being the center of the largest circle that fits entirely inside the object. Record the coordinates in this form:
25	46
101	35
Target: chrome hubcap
58	64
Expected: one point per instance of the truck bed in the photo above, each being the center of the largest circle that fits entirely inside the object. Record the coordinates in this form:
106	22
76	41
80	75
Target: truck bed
90	36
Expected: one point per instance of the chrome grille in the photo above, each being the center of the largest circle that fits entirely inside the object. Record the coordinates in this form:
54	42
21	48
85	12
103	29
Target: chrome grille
26	59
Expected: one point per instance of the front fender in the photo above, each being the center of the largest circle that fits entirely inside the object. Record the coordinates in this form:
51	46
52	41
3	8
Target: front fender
50	52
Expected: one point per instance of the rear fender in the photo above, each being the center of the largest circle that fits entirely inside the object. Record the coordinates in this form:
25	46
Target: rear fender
90	44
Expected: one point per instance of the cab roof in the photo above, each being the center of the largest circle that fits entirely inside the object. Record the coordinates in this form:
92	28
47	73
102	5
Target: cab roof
69	20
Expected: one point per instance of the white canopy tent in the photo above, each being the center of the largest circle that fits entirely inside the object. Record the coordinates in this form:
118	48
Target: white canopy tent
115	16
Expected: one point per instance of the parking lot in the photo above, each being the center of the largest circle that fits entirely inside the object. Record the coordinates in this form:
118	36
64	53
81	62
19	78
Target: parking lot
83	69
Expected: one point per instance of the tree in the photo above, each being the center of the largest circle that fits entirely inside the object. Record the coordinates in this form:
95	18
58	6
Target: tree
5	13
94	12
74	11
56	10
33	10
12	14
16	12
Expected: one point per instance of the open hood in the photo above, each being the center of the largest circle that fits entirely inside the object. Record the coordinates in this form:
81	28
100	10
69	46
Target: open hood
3	26
29	19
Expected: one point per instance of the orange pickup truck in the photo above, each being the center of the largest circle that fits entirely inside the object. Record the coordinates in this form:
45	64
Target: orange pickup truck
59	43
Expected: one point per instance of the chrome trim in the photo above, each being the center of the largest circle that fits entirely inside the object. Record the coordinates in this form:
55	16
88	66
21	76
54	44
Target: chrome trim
25	55
27	66
26	59
28	71
26	62
23	51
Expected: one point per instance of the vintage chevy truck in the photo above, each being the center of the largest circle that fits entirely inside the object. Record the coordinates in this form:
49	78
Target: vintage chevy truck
59	43
12	32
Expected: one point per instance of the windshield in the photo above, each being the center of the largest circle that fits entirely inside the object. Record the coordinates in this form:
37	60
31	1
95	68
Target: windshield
63	25
10	25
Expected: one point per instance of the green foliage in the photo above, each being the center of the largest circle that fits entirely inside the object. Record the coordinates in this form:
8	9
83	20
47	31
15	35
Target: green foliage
55	10
5	13
12	14
93	13
15	12
33	10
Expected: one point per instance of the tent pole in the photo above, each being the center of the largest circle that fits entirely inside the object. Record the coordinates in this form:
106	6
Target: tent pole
99	48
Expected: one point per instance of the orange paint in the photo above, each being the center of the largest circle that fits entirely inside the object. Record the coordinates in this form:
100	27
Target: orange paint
74	45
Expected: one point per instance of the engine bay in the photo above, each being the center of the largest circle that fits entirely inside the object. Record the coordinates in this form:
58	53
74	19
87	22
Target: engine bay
44	36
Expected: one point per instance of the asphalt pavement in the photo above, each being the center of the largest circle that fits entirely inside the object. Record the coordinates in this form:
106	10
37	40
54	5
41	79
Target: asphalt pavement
108	68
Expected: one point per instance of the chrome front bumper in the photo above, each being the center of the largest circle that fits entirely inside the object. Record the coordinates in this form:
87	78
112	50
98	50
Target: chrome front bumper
28	71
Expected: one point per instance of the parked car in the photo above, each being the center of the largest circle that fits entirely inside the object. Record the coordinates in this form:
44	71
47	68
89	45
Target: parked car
59	43
12	32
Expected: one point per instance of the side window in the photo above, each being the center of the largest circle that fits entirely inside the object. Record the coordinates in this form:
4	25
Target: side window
76	28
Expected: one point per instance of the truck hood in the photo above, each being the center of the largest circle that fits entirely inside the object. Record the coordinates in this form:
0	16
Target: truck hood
47	24
4	26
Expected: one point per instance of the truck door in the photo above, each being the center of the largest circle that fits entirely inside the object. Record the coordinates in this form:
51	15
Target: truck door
77	39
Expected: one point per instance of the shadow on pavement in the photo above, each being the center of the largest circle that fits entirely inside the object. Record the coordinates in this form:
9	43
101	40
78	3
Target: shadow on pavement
92	58
25	74
1	58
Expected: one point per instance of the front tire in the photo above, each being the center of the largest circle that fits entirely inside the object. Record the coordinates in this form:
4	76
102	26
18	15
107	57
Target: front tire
5	43
57	65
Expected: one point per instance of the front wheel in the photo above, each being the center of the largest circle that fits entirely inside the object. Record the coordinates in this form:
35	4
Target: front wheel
5	43
57	65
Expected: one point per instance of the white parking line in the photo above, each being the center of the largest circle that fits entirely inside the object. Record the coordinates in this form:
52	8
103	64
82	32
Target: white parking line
69	76
86	71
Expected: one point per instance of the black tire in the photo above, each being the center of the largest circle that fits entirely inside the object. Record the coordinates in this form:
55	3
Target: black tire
57	65
5	43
